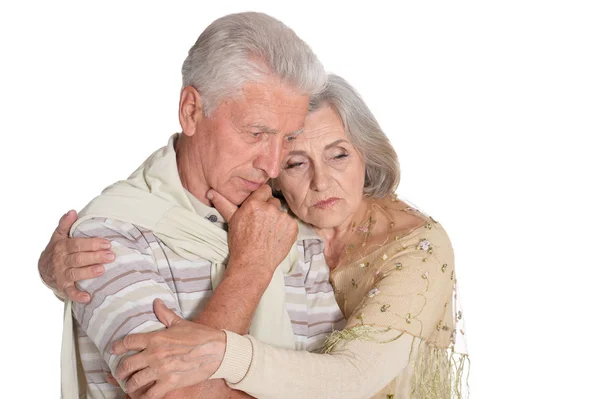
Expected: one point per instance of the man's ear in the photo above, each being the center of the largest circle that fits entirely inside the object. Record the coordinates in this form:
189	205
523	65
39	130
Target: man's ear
190	110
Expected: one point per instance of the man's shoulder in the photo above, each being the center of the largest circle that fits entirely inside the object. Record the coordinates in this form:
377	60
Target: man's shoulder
126	233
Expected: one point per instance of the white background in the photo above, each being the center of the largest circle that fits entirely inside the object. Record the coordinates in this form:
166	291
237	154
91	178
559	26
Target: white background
494	108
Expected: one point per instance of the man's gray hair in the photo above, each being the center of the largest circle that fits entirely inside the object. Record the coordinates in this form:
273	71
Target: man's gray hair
247	47
382	174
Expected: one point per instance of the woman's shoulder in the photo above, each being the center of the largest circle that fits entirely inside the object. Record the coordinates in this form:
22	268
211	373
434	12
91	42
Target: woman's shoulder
406	222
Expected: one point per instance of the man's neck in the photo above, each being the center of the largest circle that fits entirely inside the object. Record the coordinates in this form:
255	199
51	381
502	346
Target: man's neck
190	170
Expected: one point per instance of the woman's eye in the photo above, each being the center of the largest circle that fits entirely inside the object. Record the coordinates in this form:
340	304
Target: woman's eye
340	156
293	165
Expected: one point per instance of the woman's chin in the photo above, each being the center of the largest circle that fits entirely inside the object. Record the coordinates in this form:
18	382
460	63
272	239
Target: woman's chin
326	221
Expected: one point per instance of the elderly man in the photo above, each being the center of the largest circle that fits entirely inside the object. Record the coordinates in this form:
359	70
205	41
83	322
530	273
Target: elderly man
247	83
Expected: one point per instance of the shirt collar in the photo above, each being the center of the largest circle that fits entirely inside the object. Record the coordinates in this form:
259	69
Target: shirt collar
210	214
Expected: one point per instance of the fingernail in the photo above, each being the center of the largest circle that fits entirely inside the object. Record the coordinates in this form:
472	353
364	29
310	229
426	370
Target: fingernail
209	195
109	256
98	270
105	245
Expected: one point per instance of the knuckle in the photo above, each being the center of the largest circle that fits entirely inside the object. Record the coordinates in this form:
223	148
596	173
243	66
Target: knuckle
128	341
77	259
65	287
75	244
60	261
162	353
99	257
71	275
171	379
92	244
125	365
65	245
135	381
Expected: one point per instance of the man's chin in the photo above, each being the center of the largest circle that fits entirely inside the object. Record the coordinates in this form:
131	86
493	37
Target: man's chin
237	197
235	194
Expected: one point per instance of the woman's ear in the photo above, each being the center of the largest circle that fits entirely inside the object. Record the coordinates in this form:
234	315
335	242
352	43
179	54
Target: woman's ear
190	110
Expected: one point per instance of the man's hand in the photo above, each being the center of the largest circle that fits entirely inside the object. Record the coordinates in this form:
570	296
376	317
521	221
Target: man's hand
184	354
260	233
67	260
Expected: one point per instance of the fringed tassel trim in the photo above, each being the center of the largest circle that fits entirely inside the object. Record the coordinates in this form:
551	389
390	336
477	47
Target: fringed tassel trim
439	373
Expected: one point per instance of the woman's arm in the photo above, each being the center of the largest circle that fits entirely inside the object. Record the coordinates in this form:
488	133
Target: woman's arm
66	260
404	327
406	314
359	369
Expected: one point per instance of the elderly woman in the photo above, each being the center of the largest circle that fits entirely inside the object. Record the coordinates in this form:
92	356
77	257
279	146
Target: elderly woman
392	268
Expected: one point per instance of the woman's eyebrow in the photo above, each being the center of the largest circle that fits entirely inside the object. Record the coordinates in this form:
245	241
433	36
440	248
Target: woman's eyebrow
328	146
335	143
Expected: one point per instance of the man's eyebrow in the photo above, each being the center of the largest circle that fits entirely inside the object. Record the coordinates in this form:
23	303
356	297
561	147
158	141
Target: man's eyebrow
265	129
268	130
298	152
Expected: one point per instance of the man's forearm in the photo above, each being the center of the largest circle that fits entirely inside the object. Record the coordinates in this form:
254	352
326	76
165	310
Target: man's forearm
234	302
231	307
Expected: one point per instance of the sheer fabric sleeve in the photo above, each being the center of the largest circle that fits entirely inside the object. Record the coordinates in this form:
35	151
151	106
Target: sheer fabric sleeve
412	291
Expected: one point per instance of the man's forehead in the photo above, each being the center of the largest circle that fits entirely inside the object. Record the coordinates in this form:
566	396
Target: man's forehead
272	93
272	118
268	108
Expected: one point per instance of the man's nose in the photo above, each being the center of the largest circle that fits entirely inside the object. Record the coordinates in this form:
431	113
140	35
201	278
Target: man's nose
269	160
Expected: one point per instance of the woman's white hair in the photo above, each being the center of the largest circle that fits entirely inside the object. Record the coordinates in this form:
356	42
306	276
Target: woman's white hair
382	174
247	47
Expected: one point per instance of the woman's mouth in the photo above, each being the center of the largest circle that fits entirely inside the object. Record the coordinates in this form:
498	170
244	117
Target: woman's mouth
326	204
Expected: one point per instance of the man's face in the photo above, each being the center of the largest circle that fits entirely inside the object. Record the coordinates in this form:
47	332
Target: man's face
242	144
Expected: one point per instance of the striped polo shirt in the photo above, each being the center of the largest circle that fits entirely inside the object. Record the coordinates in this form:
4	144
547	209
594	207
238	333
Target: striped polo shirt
145	269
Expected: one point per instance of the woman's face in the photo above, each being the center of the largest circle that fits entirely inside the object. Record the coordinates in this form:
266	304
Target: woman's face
323	176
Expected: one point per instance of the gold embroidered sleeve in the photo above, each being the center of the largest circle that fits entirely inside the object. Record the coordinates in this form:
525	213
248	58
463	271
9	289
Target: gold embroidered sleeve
412	289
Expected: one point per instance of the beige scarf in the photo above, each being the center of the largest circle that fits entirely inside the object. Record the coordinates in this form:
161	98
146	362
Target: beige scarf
153	198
